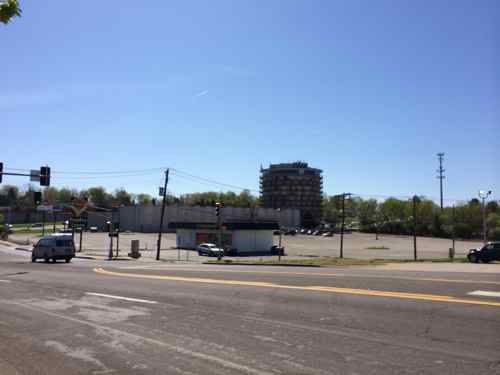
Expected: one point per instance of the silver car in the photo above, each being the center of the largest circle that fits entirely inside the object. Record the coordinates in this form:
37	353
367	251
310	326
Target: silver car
54	247
210	250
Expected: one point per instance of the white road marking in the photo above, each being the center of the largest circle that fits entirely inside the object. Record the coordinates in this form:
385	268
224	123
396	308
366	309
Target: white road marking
484	293
5	281
121	298
172	347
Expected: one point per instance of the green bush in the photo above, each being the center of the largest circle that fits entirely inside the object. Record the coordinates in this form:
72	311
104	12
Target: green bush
463	230
494	234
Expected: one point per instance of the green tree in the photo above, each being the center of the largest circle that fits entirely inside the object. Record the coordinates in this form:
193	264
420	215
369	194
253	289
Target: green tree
142	199
367	212
64	196
99	197
51	195
8	10
9	196
123	197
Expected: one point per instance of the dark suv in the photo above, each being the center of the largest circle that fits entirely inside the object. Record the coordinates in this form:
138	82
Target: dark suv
485	254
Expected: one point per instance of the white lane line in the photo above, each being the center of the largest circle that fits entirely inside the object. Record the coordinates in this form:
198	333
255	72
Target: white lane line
484	293
175	348
121	298
5	281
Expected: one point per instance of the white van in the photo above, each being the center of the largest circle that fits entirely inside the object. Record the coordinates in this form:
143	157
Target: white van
54	247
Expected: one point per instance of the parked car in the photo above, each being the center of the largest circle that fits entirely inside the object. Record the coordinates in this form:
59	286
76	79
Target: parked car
485	254
327	234
36	225
54	247
209	249
291	232
94	229
276	250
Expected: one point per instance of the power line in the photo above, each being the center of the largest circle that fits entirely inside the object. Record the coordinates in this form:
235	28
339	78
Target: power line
209	181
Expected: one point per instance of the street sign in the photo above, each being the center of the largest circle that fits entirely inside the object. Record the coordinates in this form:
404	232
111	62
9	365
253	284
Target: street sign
162	192
35	175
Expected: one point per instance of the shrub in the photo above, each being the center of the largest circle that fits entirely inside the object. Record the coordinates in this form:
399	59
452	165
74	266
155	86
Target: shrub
463	230
494	234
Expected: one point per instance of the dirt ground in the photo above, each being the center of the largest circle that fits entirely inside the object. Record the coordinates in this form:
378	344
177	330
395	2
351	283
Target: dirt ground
356	245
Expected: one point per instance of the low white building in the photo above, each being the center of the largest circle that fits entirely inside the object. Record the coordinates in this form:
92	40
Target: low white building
243	238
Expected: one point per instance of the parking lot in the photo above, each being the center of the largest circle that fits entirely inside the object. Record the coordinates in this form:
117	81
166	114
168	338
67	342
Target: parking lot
356	245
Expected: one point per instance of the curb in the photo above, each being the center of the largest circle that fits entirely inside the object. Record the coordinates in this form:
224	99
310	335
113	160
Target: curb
88	257
23	249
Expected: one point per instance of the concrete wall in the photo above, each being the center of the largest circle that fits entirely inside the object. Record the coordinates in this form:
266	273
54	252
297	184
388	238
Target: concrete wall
147	218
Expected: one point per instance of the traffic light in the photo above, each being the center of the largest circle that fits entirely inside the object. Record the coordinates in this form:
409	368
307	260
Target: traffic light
45	176
37	198
217	209
1	171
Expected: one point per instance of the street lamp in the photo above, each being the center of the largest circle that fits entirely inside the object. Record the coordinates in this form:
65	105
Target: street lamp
483	195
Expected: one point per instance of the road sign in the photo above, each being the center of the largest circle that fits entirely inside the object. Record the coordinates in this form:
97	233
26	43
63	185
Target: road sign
34	175
162	192
78	206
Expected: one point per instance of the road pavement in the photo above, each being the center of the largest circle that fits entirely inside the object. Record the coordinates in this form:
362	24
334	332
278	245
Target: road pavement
102	317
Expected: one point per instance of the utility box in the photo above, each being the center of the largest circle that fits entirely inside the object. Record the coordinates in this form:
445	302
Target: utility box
134	249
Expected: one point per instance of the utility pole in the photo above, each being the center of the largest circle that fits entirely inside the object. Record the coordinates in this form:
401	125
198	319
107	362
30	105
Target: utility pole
441	176
415	201
162	214
483	195
279	244
110	230
81	236
218	212
344	195
453	218
43	223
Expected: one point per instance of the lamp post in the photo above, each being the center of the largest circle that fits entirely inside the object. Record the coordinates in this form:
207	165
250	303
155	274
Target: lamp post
483	195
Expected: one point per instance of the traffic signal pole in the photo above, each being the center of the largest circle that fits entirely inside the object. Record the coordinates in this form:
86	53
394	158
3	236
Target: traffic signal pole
44	175
162	214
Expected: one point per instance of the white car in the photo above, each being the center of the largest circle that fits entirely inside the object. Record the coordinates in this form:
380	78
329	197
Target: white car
209	249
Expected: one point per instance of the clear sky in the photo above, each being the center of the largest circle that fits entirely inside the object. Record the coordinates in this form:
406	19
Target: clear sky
368	91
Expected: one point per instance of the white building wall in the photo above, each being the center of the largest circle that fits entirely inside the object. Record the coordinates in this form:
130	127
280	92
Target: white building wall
186	238
252	240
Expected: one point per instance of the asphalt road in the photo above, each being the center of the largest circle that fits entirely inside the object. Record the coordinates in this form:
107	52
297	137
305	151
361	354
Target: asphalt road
91	317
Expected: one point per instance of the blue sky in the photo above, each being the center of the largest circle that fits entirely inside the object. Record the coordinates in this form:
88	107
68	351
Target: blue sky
368	91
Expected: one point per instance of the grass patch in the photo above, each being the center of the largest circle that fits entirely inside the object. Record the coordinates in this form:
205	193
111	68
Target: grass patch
317	261
329	261
377	248
34	232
